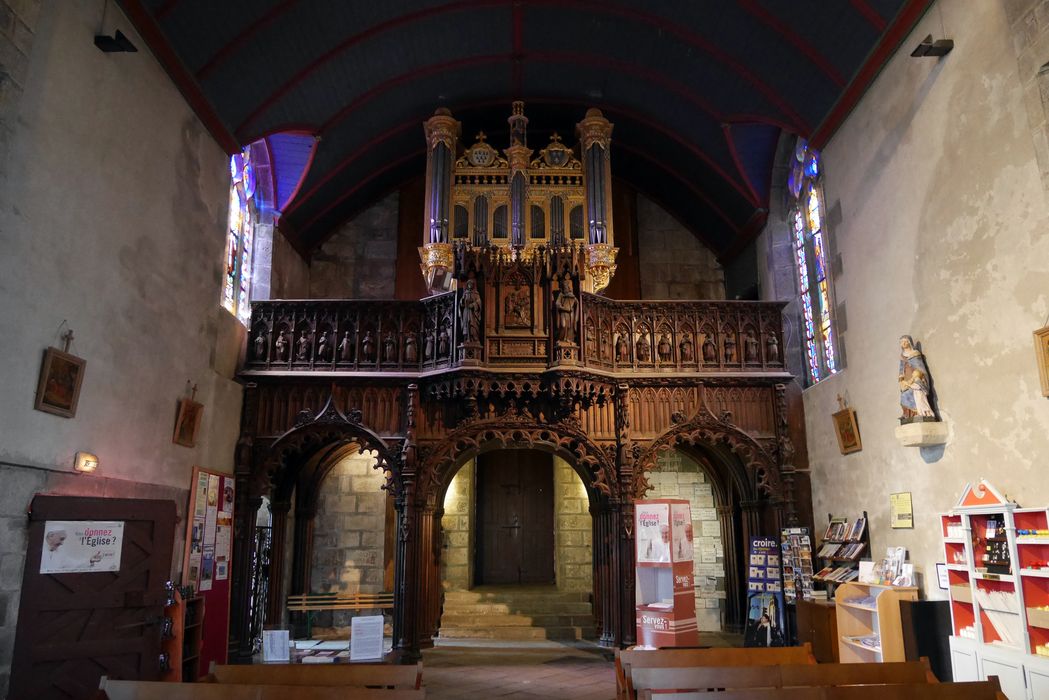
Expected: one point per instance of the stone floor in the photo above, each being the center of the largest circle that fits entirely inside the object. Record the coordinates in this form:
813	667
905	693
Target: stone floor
459	669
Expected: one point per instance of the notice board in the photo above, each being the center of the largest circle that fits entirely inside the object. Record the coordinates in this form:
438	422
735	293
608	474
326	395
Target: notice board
208	557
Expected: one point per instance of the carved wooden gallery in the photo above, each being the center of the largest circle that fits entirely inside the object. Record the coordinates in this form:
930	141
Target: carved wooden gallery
515	348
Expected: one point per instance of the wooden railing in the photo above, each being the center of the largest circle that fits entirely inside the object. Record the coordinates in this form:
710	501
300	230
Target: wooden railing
391	337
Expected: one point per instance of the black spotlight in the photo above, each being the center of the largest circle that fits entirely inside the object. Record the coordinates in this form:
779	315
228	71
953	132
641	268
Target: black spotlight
928	47
117	43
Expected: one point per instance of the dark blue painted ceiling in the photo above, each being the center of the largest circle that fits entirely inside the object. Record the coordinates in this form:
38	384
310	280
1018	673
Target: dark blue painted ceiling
698	90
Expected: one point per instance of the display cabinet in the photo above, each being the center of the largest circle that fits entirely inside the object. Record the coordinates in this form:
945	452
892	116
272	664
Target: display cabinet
997	559
868	615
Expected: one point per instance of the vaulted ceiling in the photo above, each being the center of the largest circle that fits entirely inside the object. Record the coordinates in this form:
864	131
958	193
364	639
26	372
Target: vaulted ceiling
699	90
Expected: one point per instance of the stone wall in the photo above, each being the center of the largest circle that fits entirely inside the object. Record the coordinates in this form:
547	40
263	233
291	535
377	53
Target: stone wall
348	533
359	261
457	558
573	530
941	232
679	476
673	263
113	201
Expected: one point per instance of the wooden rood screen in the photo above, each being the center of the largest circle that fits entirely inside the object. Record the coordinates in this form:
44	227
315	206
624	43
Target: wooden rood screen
74	628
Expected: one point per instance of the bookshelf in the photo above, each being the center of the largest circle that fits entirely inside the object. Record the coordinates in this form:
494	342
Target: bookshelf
193	635
844	542
181	638
997	558
868	616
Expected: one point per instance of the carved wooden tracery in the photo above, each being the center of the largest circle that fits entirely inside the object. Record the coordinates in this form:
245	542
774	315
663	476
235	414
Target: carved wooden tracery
609	391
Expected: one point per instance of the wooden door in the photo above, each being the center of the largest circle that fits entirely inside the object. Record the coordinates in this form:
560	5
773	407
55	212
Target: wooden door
515	517
74	628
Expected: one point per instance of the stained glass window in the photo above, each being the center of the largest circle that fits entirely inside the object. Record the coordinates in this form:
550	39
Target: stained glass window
809	241
240	237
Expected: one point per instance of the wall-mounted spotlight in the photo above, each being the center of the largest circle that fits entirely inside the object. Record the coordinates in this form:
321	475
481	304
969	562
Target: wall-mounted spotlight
928	47
118	43
85	462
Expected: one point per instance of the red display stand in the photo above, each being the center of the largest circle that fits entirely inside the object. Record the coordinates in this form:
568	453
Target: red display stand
666	598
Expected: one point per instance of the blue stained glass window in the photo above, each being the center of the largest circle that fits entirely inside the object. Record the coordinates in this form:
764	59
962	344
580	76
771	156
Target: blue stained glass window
240	237
810	257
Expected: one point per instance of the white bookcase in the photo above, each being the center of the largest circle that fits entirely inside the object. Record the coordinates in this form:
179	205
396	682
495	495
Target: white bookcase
997	557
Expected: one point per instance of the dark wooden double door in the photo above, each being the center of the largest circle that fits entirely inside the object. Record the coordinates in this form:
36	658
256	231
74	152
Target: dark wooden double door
515	518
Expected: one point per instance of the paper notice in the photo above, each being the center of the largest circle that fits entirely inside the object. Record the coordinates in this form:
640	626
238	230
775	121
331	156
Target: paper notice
366	638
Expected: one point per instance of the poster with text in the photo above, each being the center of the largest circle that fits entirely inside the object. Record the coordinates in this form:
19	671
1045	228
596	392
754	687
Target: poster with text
764	595
81	546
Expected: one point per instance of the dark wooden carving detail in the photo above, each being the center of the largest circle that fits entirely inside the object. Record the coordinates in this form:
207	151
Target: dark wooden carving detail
609	388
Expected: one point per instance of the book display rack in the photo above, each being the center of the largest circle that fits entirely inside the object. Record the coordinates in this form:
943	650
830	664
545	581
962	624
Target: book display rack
869	625
844	542
997	559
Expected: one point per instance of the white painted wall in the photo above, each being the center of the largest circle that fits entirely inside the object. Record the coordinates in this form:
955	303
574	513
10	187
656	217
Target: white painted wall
112	217
943	235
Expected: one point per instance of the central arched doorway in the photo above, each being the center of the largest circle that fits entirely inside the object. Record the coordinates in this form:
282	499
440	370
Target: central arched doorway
516	549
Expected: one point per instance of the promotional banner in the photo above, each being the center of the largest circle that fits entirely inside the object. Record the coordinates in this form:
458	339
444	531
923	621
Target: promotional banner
81	546
765	622
665	585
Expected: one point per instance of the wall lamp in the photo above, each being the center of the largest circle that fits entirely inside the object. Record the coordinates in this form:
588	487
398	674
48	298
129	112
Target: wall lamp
928	47
85	462
118	43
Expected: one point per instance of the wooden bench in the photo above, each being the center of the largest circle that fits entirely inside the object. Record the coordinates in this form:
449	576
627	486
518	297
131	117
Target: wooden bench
146	690
981	690
684	657
709	678
353	674
310	603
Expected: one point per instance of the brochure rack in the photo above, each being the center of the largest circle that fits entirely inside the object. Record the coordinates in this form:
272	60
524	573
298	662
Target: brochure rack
666	599
844	542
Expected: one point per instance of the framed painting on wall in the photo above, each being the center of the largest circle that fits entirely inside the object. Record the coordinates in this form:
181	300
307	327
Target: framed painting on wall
847	430
60	378
1041	348
187	422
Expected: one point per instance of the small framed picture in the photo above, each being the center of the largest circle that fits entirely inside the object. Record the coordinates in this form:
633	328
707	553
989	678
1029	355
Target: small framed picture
1041	348
848	431
60	378
187	422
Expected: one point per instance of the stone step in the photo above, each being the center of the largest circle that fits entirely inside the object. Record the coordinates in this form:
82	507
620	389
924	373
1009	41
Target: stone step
474	621
518	633
487	609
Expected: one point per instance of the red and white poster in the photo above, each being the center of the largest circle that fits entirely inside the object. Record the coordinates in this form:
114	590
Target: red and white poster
666	598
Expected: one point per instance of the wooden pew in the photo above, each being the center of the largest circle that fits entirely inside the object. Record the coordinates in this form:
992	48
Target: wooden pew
684	657
981	690
146	690
356	675
310	603
706	678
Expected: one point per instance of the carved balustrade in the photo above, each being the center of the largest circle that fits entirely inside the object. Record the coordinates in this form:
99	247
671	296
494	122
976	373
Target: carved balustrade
416	337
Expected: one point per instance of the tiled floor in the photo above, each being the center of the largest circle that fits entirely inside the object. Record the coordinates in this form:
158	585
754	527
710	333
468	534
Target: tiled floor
460	669
518	670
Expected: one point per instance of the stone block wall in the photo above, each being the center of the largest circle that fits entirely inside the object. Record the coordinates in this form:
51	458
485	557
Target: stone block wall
573	530
456	528
348	534
359	261
679	476
673	263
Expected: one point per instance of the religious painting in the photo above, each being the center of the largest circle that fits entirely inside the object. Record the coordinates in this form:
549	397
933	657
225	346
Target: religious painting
847	430
60	379
517	307
1041	346
187	423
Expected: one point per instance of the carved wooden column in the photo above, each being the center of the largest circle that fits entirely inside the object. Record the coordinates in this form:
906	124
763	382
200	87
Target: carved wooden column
627	574
247	504
409	607
279	535
432	524
302	548
601	578
734	597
